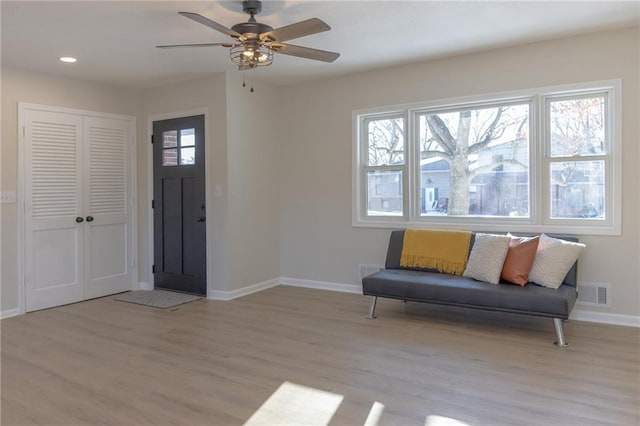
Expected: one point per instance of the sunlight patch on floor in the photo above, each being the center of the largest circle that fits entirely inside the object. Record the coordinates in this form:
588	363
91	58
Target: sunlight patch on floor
374	414
443	421
293	404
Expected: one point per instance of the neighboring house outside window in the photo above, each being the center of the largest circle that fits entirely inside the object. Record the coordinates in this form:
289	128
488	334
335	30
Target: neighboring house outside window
522	160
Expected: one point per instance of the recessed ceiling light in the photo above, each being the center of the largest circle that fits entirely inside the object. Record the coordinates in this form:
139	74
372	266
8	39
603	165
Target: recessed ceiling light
68	59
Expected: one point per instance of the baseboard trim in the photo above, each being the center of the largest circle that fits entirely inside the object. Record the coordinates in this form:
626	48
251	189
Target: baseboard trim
9	313
604	318
244	291
321	285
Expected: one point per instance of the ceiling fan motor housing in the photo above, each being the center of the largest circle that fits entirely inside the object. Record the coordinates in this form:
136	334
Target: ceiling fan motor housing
251	30
252	7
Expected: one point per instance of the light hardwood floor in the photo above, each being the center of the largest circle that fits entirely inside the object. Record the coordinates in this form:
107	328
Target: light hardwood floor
215	363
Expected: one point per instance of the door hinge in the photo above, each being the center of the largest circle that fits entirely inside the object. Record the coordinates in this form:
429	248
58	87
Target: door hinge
153	269
151	138
153	204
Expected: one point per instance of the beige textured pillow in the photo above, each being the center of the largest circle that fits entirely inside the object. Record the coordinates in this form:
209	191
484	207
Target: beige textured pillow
517	264
487	257
553	260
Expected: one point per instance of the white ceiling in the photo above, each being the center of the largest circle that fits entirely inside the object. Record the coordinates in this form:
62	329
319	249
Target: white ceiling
115	41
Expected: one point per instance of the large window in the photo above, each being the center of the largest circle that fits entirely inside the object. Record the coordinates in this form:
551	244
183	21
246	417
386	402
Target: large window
545	159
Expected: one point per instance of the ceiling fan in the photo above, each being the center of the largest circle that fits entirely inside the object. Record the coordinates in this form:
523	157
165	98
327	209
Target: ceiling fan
255	42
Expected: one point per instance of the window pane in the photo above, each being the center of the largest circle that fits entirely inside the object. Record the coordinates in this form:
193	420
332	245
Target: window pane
187	156
475	162
170	157
385	139
384	193
170	139
187	137
577	190
577	127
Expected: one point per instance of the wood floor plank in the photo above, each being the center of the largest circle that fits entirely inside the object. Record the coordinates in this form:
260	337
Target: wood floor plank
215	363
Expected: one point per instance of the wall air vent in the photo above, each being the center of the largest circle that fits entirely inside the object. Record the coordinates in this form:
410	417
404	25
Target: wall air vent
594	294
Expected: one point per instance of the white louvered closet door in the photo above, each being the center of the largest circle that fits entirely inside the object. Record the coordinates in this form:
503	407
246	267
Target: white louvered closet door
107	206
78	207
53	189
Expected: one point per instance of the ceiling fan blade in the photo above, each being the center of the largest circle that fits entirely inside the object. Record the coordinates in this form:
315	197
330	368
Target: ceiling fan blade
304	52
211	24
299	29
172	46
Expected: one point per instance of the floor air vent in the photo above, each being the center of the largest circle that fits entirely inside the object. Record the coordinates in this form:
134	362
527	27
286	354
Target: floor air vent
594	294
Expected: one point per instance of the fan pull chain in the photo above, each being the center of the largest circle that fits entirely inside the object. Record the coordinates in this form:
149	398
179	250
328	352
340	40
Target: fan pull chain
244	83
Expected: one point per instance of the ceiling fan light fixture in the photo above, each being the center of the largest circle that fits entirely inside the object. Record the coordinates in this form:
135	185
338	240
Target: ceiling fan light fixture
251	57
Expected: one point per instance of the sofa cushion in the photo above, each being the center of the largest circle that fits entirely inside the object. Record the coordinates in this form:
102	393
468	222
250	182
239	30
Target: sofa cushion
554	258
487	257
517	264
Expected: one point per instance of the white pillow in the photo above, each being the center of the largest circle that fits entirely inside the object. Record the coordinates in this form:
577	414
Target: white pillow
487	257
553	260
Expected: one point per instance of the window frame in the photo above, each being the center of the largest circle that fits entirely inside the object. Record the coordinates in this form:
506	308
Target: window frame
539	219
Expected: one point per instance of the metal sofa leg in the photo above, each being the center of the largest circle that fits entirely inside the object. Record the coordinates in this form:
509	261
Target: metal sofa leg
372	307
557	324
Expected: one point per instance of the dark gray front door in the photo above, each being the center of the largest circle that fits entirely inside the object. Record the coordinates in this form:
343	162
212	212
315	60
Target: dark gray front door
179	205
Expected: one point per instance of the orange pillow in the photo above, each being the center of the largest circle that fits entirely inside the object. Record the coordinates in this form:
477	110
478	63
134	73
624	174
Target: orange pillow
517	264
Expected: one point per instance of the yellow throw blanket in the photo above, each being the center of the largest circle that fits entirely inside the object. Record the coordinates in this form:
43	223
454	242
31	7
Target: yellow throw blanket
446	251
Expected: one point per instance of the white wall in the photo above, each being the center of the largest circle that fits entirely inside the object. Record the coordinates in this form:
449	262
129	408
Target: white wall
24	86
254	164
318	241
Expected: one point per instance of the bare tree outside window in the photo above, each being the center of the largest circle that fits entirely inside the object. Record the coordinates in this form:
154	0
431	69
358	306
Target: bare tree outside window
487	154
386	141
577	137
386	159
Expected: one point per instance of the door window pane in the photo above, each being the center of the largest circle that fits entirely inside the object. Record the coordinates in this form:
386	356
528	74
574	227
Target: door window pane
577	127
187	137
384	193
475	162
578	190
187	156
170	139
170	157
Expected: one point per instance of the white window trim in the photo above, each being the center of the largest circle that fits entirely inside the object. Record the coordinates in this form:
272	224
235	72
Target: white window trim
538	172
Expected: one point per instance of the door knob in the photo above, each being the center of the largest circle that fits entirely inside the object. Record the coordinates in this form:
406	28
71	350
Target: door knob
89	218
201	219
79	219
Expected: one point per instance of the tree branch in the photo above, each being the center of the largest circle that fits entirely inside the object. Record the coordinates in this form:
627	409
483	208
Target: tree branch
441	133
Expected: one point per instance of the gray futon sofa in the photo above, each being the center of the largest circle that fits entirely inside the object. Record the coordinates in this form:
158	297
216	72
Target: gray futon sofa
428	286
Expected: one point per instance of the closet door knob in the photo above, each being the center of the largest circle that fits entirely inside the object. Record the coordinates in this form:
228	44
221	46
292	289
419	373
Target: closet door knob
79	219
89	218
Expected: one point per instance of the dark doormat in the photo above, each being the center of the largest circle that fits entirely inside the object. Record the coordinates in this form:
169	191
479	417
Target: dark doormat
157	298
